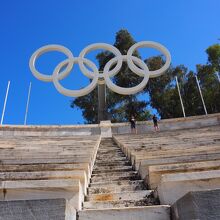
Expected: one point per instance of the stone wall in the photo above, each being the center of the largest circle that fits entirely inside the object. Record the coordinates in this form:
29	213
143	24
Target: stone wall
49	131
106	128
169	124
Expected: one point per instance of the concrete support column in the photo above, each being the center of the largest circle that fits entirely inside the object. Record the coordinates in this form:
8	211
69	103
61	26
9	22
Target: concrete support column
106	129
102	114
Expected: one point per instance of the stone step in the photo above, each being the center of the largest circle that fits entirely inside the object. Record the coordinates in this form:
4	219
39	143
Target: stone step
155	172
117	183
106	144
112	163
181	183
114	178
25	161
40	175
109	167
111	154
139	194
110	159
109	150
160	212
101	163
115	188
113	174
119	203
119	169
109	162
106	139
112	147
38	189
43	167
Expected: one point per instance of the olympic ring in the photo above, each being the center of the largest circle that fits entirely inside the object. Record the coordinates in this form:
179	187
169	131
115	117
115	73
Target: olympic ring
75	93
154	45
42	50
104	46
137	65
126	91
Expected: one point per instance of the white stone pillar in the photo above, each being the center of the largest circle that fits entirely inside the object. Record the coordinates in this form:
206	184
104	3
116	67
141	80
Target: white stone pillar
106	129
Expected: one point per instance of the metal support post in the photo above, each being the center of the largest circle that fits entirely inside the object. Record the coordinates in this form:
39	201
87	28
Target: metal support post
27	105
5	102
218	76
181	101
201	96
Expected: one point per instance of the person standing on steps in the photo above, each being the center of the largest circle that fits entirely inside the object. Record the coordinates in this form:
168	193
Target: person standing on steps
133	125
156	127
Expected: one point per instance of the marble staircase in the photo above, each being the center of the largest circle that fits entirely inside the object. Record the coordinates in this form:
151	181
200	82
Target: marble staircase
115	186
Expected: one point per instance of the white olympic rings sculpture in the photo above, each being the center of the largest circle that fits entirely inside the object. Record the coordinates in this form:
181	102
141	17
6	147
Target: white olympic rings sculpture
138	66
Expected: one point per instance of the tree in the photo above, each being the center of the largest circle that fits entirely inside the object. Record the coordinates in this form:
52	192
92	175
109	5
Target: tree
119	107
214	56
163	93
88	105
162	90
191	97
210	87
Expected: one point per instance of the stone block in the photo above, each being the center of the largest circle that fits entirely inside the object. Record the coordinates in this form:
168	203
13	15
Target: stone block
178	159
41	175
152	174
174	186
129	195
137	213
40	189
71	190
55	209
200	205
106	130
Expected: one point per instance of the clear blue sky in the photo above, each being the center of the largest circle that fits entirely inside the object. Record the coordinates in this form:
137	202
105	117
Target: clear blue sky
185	27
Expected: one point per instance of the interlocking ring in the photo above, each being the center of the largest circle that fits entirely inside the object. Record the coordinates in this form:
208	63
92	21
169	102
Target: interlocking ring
97	46
137	65
42	50
121	90
149	44
75	93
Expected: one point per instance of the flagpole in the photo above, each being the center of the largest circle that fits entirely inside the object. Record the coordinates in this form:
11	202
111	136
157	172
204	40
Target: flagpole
181	101
218	76
27	105
5	102
201	96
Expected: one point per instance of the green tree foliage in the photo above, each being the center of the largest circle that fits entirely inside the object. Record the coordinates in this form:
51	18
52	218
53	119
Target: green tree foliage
210	87
119	107
214	56
88	105
191	97
164	95
162	90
